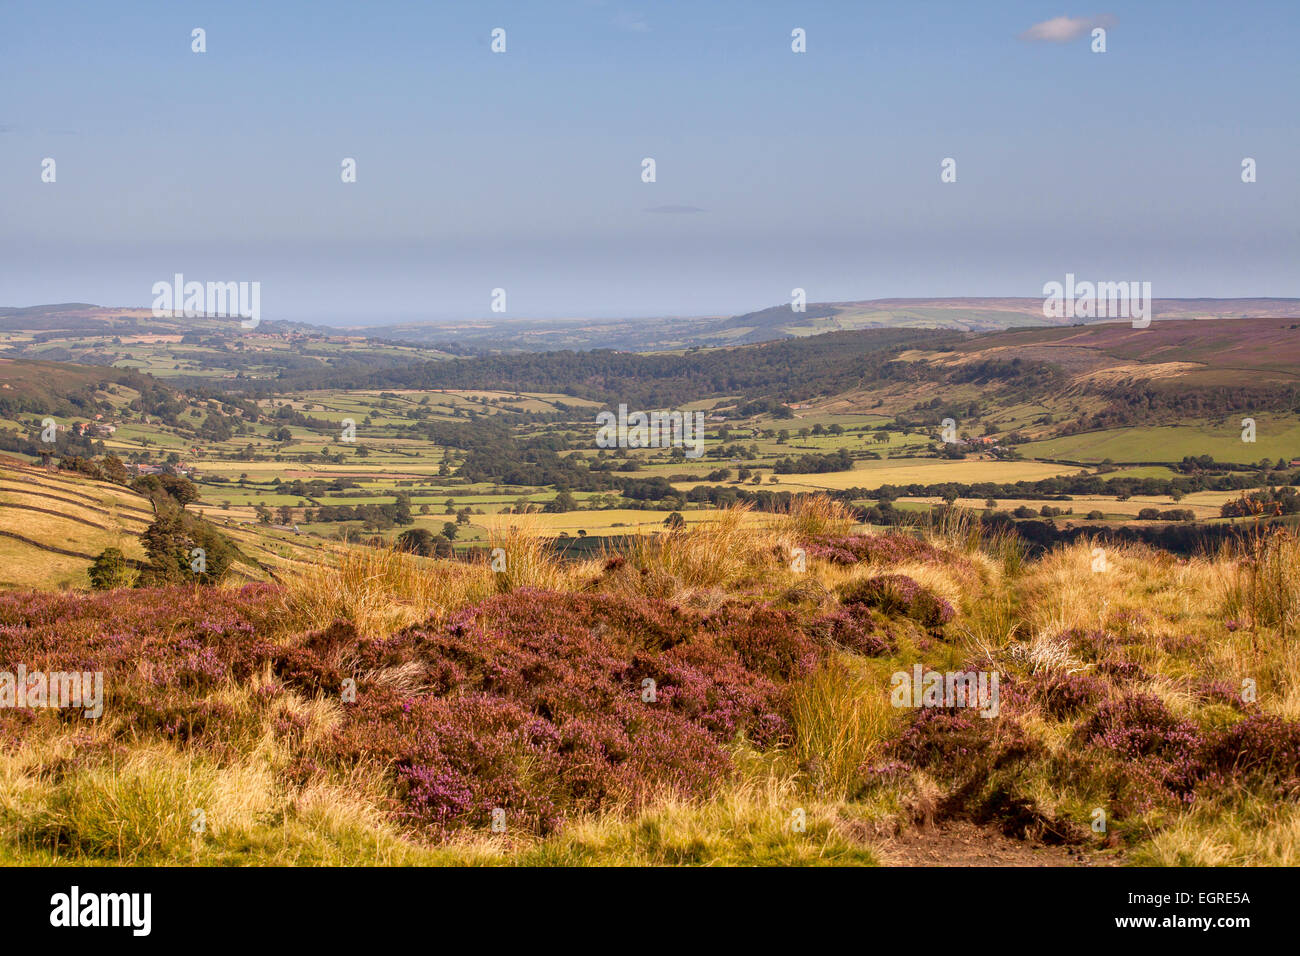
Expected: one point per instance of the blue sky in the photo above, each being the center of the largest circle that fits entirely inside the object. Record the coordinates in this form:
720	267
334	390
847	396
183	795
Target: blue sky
522	170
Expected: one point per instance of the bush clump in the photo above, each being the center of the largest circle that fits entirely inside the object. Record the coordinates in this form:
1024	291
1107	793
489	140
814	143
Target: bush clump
883	548
899	594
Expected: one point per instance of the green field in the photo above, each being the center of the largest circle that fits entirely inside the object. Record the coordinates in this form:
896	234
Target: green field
1275	437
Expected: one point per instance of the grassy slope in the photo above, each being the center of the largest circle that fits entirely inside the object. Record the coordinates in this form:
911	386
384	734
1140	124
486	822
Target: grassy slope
94	515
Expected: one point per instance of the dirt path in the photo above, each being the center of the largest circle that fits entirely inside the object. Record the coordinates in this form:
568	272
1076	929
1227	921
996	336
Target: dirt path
960	843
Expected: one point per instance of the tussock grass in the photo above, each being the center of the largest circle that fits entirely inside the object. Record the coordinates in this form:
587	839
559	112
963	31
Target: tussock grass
815	516
529	559
842	719
1261	582
152	802
725	551
953	529
749	824
1255	834
76	798
381	590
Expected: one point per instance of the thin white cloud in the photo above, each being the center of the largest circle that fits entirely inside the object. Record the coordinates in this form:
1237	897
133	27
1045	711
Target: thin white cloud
1065	29
631	22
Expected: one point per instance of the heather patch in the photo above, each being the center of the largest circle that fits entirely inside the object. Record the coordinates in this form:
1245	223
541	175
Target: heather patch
160	650
1123	671
953	741
854	629
899	594
877	548
1261	751
546	705
1064	696
1152	755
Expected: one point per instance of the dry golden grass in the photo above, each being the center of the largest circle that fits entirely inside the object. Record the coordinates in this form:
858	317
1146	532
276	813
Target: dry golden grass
1155	604
525	558
723	552
1257	834
381	590
763	818
1261	582
816	516
841	720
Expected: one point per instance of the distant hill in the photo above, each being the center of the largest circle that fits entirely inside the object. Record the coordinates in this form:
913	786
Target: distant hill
1249	351
780	321
665	333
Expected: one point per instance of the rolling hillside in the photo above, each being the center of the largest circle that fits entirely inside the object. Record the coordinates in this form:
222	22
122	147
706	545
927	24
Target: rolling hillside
54	523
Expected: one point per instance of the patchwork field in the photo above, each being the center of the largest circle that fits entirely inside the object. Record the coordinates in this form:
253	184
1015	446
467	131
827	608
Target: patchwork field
1274	438
871	475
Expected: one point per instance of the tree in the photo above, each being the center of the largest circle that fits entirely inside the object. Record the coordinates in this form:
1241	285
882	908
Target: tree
417	541
675	521
449	530
159	487
561	503
402	509
172	541
111	570
114	470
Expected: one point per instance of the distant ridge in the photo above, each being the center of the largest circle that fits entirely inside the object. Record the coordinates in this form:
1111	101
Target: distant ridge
496	334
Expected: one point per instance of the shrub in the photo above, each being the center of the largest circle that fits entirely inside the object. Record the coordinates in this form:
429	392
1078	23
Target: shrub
1153	755
1065	695
853	629
111	570
899	594
1261	751
883	548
